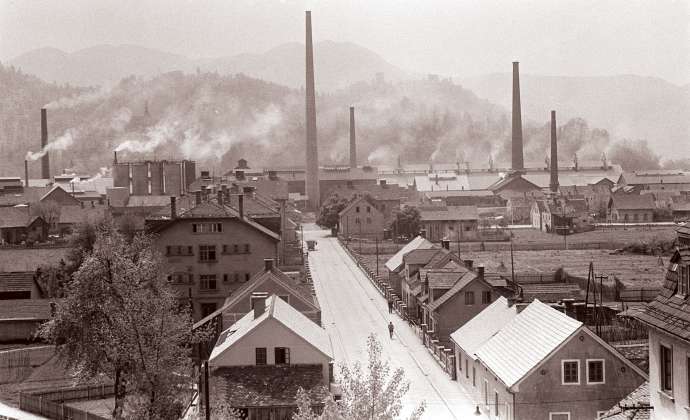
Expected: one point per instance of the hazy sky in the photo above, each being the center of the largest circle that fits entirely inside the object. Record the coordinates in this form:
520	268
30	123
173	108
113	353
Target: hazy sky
450	37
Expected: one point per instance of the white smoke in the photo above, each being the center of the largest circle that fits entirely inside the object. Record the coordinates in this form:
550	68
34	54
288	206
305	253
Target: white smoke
382	154
155	136
120	119
84	98
61	143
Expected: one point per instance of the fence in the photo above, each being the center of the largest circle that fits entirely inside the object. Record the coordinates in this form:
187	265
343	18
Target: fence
16	365
642	294
51	404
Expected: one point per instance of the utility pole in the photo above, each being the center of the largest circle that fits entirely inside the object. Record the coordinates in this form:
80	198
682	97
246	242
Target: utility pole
377	256
458	237
601	300
207	403
512	262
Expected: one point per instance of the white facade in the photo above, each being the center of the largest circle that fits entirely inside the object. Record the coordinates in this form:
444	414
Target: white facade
673	404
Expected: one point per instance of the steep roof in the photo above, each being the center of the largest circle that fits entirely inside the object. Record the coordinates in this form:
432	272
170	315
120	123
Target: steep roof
285	314
17	281
633	201
13	217
395	262
635	406
28	195
420	256
483	326
670	312
525	341
357	201
450	213
509	179
443	278
466	279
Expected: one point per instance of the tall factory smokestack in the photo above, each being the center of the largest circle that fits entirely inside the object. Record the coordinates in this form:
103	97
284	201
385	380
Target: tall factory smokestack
518	162
312	174
45	160
353	139
26	173
554	154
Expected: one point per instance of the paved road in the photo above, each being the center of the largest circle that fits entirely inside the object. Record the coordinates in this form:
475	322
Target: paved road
352	309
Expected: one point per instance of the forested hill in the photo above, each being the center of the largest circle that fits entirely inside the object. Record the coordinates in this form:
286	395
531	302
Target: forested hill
217	119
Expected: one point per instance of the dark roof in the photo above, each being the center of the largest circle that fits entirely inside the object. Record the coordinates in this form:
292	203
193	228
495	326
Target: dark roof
77	214
270	385
419	256
633	201
509	179
377	192
443	278
148	201
25	309
356	202
12	217
550	292
457	287
635	406
670	312
17	281
451	213
255	205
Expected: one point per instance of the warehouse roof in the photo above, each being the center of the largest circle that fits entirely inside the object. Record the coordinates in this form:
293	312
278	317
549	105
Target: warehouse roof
395	262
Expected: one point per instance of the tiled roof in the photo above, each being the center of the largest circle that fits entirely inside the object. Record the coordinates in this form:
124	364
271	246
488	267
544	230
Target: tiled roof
635	406
484	325
633	201
420	256
670	312
550	292
12	217
466	279
450	213
526	341
396	261
17	281
25	309
285	314
270	385
443	278
356	202
509	179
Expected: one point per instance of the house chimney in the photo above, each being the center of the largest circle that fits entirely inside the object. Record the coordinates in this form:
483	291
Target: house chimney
45	160
259	301
382	182
445	243
353	142
469	263
422	233
197	197
240	204
268	264
115	157
480	271
173	207
554	154
26	173
312	167
518	162
220	197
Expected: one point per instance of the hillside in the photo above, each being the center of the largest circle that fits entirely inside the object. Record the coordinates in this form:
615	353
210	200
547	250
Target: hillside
338	64
217	119
627	106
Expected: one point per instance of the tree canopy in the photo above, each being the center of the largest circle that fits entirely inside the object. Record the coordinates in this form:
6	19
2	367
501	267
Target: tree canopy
328	214
407	221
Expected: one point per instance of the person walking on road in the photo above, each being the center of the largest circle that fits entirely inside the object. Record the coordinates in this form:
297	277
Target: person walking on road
390	329
390	305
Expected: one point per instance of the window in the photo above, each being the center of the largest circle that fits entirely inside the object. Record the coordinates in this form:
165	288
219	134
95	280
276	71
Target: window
595	371
247	276
282	355
684	280
235	248
368	209
173	250
486	392
207	227
260	356
207	253
469	298
225	278
467	371
560	416
496	403
474	376
247	248
207	309
666	368
460	362
207	282
180	278
486	296
357	209
570	372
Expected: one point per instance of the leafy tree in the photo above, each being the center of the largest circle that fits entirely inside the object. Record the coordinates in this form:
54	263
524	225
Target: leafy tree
328	214
121	320
407	221
372	393
49	211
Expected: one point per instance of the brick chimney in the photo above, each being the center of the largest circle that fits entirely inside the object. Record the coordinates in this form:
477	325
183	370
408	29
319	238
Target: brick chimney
45	160
220	197
353	141
26	173
312	161
240	204
268	264
115	157
259	301
469	263
480	271
445	243
518	163
554	154
197	197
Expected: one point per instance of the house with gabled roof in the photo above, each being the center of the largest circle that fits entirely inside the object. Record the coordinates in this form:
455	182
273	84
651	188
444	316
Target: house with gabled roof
631	208
542	364
515	185
270	281
211	250
262	360
395	264
668	319
449	222
17	224
475	332
361	219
